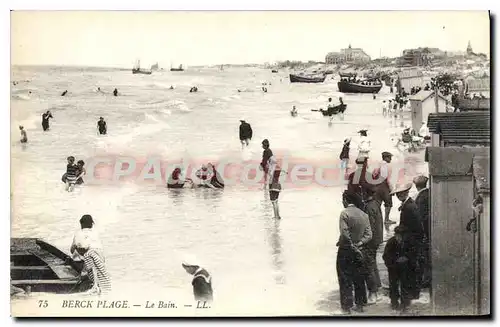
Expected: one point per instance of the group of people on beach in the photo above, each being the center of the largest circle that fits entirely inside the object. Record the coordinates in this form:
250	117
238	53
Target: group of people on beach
362	226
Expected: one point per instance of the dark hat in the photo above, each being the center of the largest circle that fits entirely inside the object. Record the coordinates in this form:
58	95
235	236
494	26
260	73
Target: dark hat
420	180
86	220
101	118
399	229
362	131
386	154
266	141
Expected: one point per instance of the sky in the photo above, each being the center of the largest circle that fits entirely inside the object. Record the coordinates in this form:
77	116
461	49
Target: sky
118	38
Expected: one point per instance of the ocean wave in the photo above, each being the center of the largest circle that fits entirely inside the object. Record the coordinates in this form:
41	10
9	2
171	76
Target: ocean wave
21	96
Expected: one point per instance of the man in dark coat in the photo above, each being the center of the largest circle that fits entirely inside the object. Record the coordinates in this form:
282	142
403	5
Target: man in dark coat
410	220
355	233
423	204
372	208
344	154
245	133
357	183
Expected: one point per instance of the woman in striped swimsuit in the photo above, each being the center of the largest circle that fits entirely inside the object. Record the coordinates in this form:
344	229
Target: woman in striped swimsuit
72	172
94	267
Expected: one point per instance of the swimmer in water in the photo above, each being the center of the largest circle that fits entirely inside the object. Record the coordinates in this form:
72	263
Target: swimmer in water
81	171
71	174
24	136
45	120
101	126
64	93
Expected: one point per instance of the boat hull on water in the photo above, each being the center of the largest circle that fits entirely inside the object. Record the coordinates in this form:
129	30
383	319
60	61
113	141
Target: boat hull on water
140	71
306	79
334	110
348	87
41	267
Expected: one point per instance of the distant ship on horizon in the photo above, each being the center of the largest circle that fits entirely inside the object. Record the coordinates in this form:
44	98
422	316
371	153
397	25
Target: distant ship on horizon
137	69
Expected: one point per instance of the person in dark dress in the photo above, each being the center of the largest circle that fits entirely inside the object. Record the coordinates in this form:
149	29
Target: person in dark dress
423	205
102	127
202	281
355	233
115	92
45	120
410	220
81	172
246	133
372	208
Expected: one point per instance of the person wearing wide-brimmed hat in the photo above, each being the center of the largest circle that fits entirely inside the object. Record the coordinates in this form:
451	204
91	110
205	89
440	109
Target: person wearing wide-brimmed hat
364	145
382	175
202	280
246	133
410	219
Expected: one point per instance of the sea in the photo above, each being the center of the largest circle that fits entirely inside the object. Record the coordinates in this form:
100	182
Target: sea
259	265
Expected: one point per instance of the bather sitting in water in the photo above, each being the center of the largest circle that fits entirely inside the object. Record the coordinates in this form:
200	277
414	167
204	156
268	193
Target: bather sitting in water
177	179
209	177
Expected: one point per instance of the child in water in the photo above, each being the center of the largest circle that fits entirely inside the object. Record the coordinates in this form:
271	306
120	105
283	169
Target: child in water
24	136
274	191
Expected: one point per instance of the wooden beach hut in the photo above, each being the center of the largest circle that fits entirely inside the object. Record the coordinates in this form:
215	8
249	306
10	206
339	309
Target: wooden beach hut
460	258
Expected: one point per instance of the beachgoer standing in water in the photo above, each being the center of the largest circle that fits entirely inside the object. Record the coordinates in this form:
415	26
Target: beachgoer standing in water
344	154
246	133
274	192
266	162
24	136
45	120
101	126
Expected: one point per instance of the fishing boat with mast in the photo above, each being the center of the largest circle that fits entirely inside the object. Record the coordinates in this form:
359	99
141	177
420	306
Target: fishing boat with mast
137	69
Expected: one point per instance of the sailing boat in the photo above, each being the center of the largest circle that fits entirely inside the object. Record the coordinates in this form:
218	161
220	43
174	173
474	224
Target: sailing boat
137	69
180	69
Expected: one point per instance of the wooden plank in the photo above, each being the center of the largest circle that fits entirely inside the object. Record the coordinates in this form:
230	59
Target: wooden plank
44	281
29	268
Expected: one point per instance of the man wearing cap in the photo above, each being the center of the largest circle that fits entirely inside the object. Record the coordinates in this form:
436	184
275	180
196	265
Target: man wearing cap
245	133
101	126
202	281
364	145
410	220
383	193
88	233
355	233
423	204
